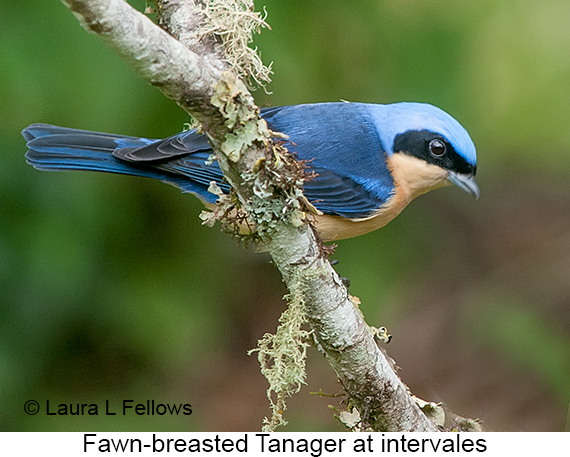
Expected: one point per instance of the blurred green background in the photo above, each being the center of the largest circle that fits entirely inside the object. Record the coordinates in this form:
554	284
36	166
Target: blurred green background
110	288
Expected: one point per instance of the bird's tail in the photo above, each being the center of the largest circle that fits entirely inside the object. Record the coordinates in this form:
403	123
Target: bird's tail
55	148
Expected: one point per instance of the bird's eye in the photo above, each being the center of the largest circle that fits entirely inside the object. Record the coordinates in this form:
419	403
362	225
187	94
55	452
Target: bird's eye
436	147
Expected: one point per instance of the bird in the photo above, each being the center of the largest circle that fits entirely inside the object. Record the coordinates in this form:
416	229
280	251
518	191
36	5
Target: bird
368	161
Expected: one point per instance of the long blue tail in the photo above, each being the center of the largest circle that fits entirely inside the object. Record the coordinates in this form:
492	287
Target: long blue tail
53	148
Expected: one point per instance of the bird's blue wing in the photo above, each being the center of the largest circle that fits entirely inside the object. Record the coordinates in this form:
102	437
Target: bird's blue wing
181	144
339	195
186	154
340	143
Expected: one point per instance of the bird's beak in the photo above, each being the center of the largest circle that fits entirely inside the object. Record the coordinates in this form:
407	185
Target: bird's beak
465	182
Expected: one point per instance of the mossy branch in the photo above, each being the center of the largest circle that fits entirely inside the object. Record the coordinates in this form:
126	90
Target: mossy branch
194	71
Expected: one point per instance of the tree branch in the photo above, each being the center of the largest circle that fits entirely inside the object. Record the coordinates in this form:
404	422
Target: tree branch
268	185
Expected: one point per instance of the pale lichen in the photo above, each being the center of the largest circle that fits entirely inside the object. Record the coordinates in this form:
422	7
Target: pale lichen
282	358
266	193
235	22
434	411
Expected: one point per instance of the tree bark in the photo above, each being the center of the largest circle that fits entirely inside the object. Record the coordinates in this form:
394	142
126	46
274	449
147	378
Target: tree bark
192	72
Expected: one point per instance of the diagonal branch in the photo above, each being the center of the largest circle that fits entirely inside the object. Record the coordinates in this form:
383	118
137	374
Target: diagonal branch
267	184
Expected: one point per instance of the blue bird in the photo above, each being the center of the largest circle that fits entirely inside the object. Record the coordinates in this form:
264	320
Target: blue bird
369	160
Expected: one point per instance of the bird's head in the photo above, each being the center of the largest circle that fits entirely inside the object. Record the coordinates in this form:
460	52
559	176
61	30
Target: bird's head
427	133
